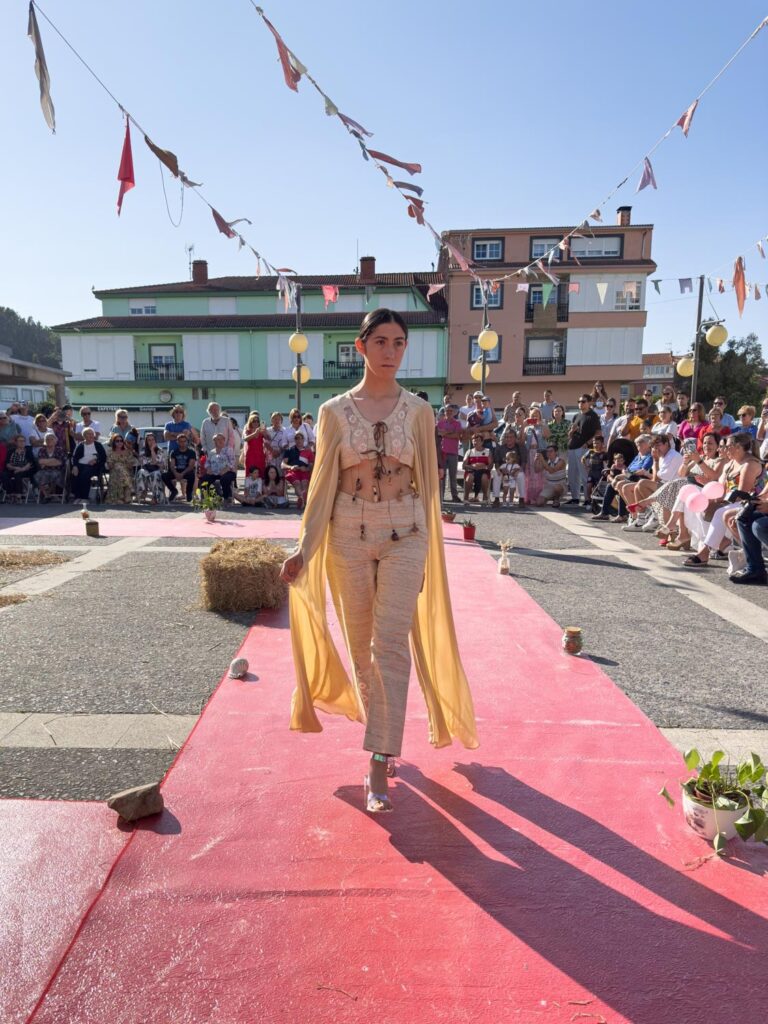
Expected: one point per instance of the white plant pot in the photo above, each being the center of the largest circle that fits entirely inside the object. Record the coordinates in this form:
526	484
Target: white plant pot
210	514
701	818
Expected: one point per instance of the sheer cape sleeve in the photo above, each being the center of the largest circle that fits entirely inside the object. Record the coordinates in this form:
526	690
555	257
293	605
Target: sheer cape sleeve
322	681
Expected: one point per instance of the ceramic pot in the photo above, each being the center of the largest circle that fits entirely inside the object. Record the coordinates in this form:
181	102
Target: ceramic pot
448	517
210	514
504	565
469	532
92	528
706	821
573	641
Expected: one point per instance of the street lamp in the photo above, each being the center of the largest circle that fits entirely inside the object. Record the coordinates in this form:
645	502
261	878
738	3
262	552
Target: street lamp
299	343
715	335
487	340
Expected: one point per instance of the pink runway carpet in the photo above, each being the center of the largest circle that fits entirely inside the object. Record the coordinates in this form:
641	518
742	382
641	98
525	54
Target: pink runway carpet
155	526
539	878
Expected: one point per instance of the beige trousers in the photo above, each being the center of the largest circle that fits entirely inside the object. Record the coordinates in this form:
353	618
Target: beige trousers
375	581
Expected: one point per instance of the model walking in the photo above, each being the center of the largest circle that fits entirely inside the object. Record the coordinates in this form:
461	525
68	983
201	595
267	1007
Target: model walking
372	528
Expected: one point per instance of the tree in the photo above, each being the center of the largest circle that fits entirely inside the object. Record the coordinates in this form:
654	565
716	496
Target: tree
29	340
737	371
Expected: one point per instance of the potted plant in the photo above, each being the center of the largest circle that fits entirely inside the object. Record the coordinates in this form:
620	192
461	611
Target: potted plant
469	529
209	501
448	517
720	803
504	547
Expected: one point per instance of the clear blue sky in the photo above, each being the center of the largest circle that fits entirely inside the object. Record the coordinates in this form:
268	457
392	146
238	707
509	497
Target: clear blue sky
519	114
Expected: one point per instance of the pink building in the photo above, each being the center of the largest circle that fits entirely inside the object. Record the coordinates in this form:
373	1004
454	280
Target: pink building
592	330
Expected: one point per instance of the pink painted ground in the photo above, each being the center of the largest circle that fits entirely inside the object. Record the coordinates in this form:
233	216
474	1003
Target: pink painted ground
534	879
149	526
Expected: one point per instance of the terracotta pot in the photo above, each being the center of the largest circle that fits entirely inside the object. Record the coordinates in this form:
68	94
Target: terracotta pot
92	528
448	517
469	532
210	514
573	641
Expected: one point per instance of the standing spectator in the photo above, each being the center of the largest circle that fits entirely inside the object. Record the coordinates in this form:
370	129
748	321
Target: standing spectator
720	403
182	464
220	467
216	423
667	398
746	416
449	431
308	426
507	474
547	406
294	424
177	425
8	429
37	437
553	468
608	420
88	461
696	423
683	407
558	429
24	421
482	420
595	461
466	410
278	439
599	398
257	447
50	460
585	425
665	423
650	397
643	420
122	427
237	439
86	420
477	469
520	421
121	463
535	438
630	407
19	466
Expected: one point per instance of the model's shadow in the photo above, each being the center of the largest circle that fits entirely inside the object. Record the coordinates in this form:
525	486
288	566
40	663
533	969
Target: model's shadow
636	959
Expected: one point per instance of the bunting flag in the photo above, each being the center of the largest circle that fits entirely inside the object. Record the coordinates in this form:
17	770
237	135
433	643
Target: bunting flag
330	107
331	293
574	287
546	291
457	255
41	70
684	121
720	285
354	126
757	294
406	184
552	277
222	225
760	249
523	287
596	215
647	176
602	288
125	171
709	284
562	245
739	283
434	289
169	160
656	283
686	284
291	72
415	208
411	168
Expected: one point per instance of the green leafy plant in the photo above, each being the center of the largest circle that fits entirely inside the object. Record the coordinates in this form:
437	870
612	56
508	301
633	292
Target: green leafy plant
729	787
467	522
209	498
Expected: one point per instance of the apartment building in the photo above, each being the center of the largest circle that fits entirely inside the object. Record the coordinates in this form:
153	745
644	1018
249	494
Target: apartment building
225	339
589	328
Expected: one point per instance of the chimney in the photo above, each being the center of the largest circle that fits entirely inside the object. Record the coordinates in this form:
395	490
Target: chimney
200	271
624	216
368	269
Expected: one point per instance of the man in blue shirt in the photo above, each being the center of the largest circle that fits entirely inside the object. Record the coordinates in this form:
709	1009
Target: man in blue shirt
176	425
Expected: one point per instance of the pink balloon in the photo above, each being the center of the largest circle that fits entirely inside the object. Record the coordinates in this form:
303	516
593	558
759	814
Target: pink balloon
688	492
713	490
698	502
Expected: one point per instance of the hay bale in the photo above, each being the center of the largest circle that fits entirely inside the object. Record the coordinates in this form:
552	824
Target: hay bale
11	558
242	576
8	599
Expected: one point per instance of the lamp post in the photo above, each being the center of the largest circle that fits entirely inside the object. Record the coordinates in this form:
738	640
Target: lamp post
299	343
487	340
715	334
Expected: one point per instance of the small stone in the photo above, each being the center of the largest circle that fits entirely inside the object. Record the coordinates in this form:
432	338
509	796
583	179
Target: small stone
138	802
238	668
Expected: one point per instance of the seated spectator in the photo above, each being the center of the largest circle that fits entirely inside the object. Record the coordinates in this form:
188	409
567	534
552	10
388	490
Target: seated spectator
554	470
8	429
477	469
88	461
714	426
665	424
640	468
742	475
19	466
274	488
746	417
695	423
608	420
220	467
50	460
86	420
694	468
297	467
152	465
182	465
507	474
595	461
683	402
121	463
720	403
752	525
252	491
667	462
449	431
667	400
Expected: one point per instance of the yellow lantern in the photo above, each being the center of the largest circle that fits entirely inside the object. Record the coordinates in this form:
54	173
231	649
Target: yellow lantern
476	371
685	366
716	335
487	340
298	343
305	374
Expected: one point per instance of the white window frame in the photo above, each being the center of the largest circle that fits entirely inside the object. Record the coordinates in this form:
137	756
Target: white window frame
623	302
494	299
596	248
475	352
477	257
541	246
536	295
142	307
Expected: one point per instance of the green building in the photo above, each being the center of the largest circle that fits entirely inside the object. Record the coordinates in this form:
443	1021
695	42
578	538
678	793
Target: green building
226	340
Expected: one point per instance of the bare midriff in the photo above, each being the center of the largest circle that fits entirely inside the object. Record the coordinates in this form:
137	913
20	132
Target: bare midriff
360	480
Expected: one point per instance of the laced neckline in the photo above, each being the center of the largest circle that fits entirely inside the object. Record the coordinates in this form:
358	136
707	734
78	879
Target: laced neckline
382	419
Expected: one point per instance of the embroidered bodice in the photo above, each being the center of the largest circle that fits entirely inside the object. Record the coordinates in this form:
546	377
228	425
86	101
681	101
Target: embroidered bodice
362	439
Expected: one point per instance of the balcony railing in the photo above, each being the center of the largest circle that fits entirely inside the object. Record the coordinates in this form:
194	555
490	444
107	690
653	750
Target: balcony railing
158	371
562	310
333	370
543	366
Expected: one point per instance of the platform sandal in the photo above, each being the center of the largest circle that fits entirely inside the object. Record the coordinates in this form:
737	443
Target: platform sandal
376	803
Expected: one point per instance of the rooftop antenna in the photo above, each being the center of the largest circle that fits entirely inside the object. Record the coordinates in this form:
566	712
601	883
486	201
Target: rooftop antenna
189	249
357	255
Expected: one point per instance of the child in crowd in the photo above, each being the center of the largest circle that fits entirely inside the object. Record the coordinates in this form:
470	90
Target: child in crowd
251	493
510	470
274	488
595	460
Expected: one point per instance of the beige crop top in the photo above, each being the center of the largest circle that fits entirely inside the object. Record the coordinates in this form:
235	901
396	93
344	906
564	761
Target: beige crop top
362	439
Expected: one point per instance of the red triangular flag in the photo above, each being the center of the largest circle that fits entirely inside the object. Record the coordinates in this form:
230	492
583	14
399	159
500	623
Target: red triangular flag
739	284
125	171
684	121
291	74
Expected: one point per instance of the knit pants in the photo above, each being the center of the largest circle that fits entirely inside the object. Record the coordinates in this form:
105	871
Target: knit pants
375	581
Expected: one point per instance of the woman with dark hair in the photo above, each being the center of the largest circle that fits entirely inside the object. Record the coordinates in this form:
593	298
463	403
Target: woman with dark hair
372	524
696	423
599	398
558	429
121	463
149	479
274	488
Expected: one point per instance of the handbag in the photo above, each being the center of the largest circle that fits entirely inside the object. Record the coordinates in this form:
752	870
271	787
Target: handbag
737	560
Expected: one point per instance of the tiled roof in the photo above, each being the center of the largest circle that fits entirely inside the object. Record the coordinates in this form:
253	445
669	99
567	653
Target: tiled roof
273	321
549	229
269	284
658	358
492	267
